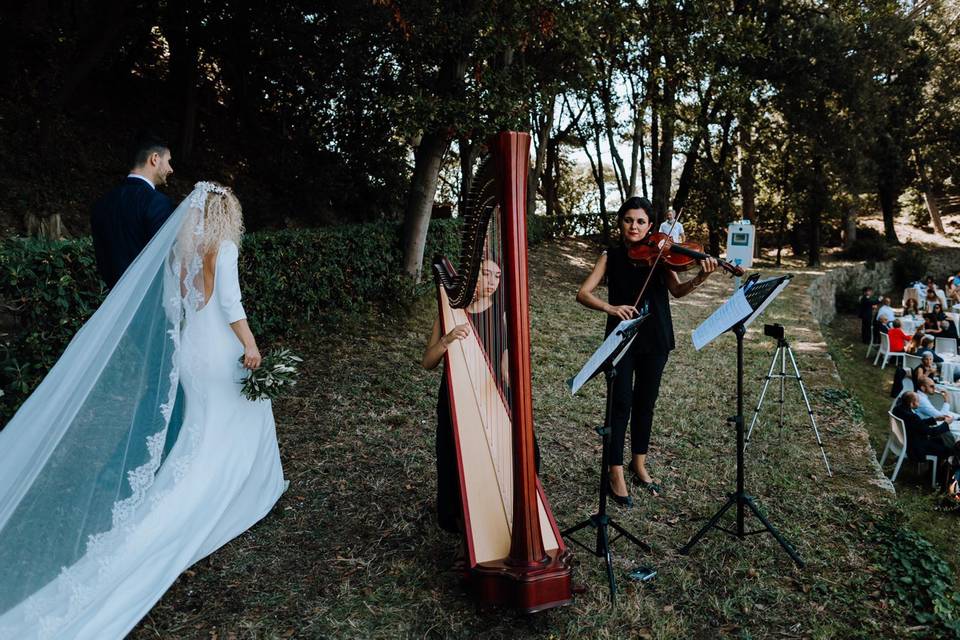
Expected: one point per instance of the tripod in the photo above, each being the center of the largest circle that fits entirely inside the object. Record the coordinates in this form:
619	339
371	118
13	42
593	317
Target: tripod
783	350
741	498
600	520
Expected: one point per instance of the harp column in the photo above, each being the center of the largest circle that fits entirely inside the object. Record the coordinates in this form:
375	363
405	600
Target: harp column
512	150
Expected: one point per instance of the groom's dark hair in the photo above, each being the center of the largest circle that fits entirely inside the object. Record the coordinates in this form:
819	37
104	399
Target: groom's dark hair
145	144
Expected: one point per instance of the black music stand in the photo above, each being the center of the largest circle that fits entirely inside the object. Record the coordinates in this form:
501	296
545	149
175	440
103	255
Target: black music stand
742	308
606	359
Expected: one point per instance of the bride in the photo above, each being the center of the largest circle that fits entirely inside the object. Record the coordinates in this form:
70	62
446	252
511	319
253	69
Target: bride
96	520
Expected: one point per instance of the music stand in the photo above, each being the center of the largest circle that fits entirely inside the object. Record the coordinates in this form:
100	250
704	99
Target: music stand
605	359
735	315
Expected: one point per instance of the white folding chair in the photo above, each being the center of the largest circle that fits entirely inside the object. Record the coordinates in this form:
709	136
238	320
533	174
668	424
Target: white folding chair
945	345
907	383
885	351
897	445
911	362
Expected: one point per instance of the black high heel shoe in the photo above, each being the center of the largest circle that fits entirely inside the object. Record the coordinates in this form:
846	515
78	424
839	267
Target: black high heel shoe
623	501
652	487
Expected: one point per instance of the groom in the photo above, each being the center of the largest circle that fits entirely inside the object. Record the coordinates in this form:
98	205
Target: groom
126	218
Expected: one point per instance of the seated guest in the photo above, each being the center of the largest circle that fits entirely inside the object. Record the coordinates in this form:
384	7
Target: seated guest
926	369
953	287
885	312
926	409
914	345
948	329
931	299
927	344
897	337
924	434
910	307
931	323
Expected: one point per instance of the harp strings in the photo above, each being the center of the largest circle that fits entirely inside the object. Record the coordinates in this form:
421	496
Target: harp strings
487	313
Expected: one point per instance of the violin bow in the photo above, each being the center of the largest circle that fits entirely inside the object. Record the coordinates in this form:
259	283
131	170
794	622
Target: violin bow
643	289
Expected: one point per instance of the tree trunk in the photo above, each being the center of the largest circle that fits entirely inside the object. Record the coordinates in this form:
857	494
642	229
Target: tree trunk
664	159
643	168
423	187
889	207
747	173
550	178
928	198
609	123
597	169
544	125
849	226
815	207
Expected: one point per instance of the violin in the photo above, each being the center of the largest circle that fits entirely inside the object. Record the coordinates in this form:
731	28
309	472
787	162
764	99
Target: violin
676	256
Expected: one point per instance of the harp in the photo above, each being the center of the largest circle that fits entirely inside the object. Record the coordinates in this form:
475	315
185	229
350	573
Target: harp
516	556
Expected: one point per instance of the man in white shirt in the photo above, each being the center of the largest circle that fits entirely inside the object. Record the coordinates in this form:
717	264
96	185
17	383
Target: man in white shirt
885	312
926	408
674	231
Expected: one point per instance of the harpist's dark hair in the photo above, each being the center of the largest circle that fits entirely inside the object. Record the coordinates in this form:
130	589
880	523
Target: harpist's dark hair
635	202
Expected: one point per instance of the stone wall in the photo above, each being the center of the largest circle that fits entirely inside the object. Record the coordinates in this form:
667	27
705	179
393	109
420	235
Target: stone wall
849	278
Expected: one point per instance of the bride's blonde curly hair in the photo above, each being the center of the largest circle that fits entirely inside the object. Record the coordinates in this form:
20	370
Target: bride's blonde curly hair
222	218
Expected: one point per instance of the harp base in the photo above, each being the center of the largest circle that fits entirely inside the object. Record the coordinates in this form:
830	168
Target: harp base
527	589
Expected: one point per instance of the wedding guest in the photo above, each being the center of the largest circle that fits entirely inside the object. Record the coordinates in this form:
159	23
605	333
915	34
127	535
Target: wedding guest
926	369
914	345
897	337
865	312
885	313
924	434
953	288
125	219
927	344
948	329
931	299
926	409
911	308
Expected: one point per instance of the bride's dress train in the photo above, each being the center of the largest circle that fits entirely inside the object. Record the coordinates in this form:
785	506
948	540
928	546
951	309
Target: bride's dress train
222	475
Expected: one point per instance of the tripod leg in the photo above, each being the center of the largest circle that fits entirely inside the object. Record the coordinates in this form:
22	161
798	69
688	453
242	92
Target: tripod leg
685	549
776	534
604	541
763	392
576	527
629	536
813	421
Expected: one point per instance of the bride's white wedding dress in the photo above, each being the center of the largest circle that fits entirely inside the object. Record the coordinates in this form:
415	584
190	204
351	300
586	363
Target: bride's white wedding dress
222	475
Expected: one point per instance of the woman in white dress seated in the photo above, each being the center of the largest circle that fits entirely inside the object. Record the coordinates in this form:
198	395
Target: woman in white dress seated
94	524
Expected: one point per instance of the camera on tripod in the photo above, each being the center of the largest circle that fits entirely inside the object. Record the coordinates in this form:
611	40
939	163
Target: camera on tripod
774	330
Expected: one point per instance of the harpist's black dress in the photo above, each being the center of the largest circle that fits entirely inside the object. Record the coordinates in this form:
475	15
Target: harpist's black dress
490	327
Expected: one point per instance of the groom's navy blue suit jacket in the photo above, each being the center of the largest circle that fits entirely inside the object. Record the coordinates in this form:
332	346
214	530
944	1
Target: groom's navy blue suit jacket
123	221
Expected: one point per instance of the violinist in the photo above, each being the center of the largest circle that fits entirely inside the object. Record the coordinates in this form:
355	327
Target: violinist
637	384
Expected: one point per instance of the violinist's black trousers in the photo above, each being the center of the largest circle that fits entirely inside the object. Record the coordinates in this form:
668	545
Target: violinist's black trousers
635	390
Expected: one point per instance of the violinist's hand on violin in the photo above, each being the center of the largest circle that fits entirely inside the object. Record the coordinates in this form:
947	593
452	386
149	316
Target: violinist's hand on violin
707	266
623	311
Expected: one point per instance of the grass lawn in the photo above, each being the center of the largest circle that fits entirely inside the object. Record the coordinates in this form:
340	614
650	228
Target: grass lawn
352	549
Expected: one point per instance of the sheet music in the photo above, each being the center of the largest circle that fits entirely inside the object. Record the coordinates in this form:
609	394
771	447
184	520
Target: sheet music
600	356
740	308
785	280
727	315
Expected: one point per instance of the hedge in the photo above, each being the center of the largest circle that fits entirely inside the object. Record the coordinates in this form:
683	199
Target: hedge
49	289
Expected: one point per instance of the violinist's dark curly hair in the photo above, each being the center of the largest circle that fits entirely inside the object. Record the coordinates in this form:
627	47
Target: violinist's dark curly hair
634	202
